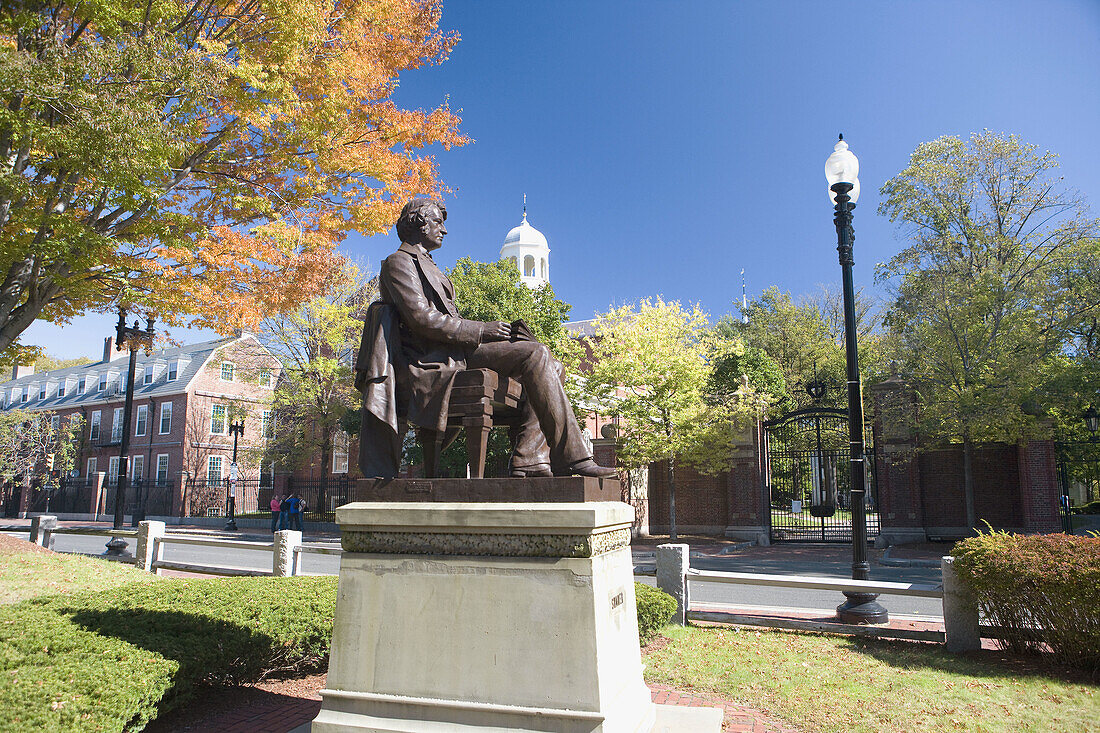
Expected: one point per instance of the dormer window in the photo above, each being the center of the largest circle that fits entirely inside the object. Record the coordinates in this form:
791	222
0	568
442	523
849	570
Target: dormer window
81	385
173	370
102	383
61	387
147	377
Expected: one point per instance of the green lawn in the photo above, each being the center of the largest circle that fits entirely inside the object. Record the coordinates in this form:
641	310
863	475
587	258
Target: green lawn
820	684
25	573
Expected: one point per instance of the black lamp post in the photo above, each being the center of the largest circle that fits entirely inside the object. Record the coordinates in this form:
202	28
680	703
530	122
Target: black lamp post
1092	421
236	429
134	338
842	173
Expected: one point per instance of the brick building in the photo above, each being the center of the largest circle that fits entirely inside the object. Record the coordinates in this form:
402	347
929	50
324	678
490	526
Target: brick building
184	398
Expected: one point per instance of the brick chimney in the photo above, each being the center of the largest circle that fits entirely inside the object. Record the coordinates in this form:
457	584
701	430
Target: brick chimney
108	348
22	371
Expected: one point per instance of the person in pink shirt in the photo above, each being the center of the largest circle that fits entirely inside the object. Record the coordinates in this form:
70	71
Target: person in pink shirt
276	501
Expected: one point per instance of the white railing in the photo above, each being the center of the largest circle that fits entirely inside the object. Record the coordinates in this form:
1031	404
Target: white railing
151	538
960	611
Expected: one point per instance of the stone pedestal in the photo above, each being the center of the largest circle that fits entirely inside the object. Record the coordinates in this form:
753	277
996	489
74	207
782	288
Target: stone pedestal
488	617
555	489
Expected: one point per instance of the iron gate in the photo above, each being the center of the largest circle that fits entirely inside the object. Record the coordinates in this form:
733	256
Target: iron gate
807	477
1078	476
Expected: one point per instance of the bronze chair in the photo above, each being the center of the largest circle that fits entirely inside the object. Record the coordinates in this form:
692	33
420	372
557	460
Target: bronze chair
480	399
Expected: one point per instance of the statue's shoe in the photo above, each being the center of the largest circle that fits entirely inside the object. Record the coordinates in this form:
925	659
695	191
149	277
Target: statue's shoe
589	467
532	472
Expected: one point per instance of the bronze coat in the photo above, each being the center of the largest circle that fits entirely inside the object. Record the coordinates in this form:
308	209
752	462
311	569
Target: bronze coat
434	340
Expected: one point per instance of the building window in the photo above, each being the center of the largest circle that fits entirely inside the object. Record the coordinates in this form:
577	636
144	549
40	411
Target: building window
265	377
265	425
123	383
340	452
24	394
528	266
97	417
162	469
55	423
142	420
147	377
166	418
102	382
81	385
42	392
112	471
137	469
116	426
213	471
173	370
228	370
92	466
217	420
61	389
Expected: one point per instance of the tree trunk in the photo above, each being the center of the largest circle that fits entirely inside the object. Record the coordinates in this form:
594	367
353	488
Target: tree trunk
968	481
671	499
326	456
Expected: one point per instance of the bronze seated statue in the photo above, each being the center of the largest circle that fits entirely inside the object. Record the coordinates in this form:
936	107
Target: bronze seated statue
420	363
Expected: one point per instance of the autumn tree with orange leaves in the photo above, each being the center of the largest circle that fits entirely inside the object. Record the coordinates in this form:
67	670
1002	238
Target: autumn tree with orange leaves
199	160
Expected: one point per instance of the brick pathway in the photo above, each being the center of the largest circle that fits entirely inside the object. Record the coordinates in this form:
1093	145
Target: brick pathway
281	714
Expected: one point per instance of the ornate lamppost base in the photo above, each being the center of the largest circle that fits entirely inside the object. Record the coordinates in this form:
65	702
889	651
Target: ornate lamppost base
117	547
861	608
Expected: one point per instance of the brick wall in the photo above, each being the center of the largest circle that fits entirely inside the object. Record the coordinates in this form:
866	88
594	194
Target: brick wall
701	501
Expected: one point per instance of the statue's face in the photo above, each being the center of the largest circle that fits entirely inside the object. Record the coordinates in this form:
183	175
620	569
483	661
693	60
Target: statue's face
434	229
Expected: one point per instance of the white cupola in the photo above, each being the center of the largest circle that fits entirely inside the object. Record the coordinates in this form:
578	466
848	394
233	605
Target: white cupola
528	250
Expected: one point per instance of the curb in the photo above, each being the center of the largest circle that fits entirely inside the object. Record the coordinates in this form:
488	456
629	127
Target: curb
899	562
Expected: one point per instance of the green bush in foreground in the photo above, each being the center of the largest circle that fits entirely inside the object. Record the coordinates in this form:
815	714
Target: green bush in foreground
114	660
655	608
1038	588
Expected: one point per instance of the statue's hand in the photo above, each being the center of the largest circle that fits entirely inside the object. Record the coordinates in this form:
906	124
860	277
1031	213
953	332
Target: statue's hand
495	331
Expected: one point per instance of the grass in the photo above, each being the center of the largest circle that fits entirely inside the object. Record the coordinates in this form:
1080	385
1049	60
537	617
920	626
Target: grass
26	573
829	683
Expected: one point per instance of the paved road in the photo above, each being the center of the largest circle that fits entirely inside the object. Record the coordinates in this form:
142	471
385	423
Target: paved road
830	561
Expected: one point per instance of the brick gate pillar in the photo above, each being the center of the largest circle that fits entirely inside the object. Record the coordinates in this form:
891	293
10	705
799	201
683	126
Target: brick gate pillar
897	477
1039	492
747	516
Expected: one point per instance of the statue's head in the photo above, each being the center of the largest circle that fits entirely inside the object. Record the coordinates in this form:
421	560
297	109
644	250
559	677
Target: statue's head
421	222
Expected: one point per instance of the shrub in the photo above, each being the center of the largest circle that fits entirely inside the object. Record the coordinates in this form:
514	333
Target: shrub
1036	589
655	608
115	660
1093	507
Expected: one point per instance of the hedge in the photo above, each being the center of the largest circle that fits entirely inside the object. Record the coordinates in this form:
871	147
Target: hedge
1093	507
655	608
1038	591
115	660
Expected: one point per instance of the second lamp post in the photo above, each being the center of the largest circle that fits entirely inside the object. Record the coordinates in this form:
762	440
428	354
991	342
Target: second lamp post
236	429
842	173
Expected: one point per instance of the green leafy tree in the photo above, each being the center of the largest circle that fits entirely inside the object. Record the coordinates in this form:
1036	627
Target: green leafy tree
47	363
316	389
201	159
493	291
650	367
986	295
28	438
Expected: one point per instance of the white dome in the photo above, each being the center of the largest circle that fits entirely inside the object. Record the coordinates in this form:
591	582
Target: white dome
526	234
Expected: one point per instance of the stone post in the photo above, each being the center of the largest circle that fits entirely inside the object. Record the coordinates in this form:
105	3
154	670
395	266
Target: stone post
149	550
42	530
960	611
97	493
284	560
672	567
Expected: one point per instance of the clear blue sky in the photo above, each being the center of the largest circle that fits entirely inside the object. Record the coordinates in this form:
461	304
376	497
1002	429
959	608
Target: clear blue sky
663	146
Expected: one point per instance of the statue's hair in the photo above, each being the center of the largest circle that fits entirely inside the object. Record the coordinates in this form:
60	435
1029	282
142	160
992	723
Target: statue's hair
412	217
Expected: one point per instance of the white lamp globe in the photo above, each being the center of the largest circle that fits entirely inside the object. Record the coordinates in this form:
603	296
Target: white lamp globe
842	167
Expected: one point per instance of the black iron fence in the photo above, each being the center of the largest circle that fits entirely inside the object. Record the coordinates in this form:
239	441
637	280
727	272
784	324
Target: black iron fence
321	497
252	497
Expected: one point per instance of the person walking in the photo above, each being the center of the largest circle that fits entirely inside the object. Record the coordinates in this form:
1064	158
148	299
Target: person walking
284	513
294	509
276	513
